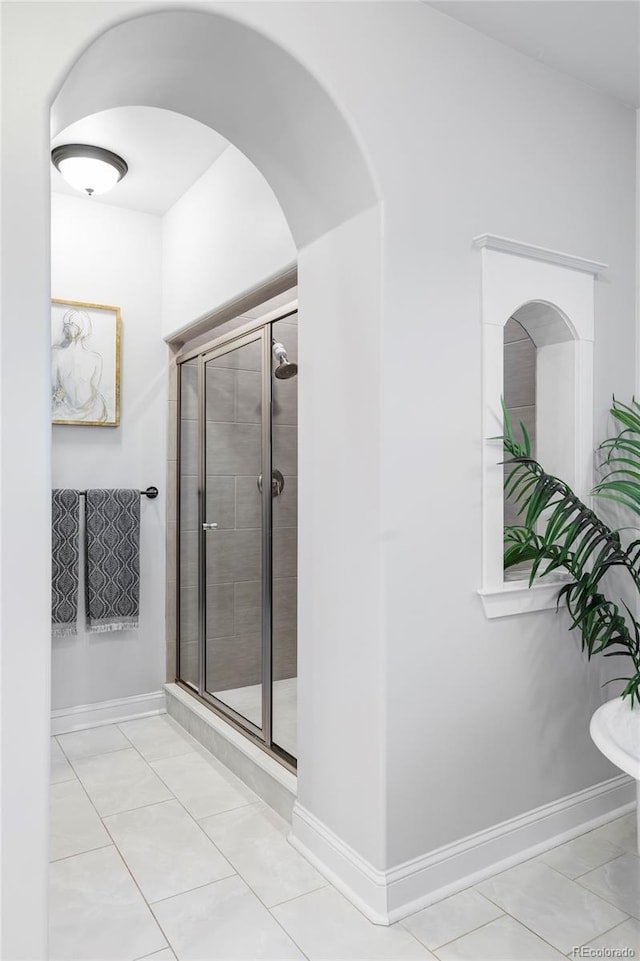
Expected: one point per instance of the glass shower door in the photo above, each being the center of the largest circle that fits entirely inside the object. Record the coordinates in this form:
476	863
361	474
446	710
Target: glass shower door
235	530
237	558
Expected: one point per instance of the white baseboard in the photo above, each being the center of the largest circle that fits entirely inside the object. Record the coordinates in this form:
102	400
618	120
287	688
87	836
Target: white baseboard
351	874
387	896
107	712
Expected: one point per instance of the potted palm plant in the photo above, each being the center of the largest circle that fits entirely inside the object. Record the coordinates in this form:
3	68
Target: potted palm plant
560	532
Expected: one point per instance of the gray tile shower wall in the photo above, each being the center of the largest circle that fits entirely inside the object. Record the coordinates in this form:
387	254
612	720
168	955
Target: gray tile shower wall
234	556
248	508
237	448
519	393
237	662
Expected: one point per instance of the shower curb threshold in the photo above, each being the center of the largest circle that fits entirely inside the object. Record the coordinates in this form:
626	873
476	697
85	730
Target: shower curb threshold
276	786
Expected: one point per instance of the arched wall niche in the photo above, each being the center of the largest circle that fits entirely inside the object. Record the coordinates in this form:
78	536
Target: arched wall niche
234	79
230	77
551	295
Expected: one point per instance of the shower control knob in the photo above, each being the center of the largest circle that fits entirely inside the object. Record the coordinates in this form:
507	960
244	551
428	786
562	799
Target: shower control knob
209	527
277	483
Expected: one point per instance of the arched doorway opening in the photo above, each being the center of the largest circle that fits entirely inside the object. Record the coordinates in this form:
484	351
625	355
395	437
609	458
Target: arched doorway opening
338	234
331	202
279	116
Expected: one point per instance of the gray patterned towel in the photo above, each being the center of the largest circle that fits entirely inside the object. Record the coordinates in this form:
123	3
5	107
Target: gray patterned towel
112	559
65	527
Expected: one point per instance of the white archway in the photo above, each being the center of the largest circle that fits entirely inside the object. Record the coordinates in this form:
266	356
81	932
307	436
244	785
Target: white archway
250	90
226	74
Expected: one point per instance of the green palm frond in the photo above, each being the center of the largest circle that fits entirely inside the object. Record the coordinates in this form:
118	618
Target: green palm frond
621	462
559	532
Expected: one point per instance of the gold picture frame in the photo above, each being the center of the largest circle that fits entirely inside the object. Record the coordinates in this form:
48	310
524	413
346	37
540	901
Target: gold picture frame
85	364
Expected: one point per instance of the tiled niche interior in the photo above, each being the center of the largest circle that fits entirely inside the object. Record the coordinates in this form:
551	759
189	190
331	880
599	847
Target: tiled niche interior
519	394
233	570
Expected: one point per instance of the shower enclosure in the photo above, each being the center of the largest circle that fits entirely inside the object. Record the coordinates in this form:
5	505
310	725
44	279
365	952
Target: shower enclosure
237	525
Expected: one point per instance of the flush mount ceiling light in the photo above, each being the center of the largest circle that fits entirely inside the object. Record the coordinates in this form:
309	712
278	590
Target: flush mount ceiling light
92	170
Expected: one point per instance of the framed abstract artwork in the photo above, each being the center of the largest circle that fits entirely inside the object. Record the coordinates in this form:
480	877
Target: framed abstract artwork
85	364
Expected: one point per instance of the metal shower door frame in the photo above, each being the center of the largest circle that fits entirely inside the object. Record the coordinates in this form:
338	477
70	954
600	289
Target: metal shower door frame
217	346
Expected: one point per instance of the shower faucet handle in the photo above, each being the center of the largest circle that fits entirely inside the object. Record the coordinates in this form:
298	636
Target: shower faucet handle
277	483
209	527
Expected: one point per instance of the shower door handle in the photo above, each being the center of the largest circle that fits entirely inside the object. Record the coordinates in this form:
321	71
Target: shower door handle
209	527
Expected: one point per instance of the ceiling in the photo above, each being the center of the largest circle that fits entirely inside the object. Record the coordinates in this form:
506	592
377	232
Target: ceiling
595	41
166	153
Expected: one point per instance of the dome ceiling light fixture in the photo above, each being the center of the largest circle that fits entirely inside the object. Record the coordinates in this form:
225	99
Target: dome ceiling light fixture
92	170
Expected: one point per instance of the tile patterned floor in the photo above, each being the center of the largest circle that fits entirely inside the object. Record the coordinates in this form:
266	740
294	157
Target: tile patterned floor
159	852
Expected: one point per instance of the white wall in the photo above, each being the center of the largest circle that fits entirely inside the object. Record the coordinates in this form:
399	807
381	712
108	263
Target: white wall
490	142
107	255
637	380
510	700
341	715
226	234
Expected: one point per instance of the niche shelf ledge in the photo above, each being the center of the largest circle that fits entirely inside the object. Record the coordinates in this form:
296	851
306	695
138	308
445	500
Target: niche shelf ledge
516	597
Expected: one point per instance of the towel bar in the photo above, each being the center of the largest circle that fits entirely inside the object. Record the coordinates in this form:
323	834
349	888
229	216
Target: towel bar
150	492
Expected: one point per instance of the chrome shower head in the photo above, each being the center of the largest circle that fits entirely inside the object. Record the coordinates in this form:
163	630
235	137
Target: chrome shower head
285	368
